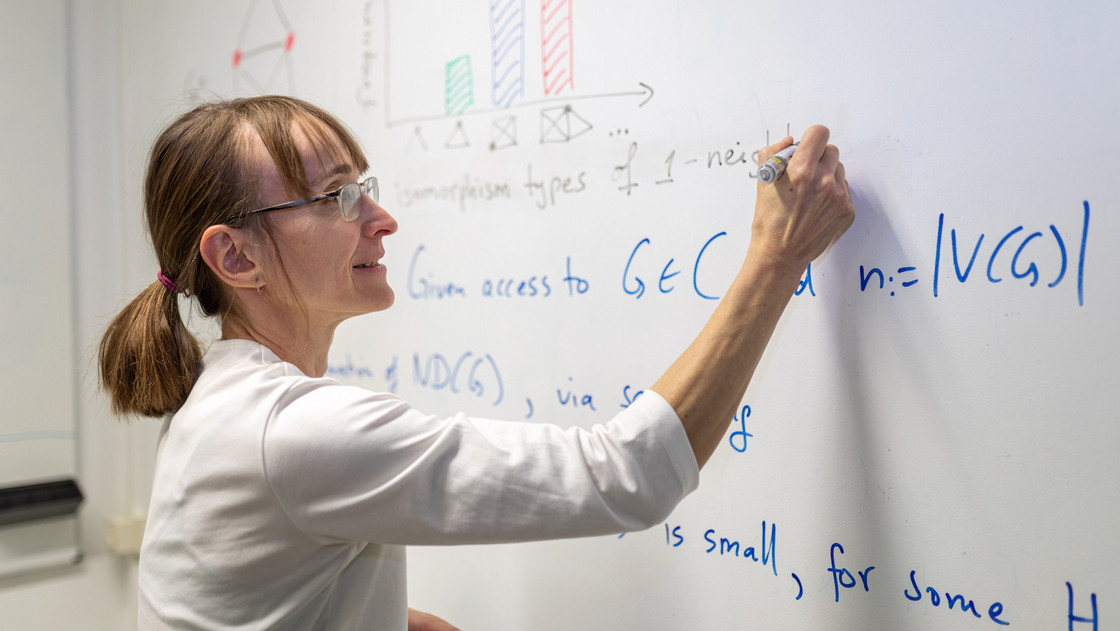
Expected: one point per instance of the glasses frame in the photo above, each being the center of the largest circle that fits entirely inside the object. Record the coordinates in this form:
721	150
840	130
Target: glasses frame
368	186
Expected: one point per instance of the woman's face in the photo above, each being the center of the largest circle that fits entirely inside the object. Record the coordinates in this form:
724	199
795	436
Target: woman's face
334	265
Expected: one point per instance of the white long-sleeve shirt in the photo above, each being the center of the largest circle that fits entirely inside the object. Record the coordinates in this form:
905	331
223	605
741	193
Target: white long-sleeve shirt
282	501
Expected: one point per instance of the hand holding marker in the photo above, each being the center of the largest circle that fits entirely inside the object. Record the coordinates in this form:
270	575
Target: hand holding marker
775	165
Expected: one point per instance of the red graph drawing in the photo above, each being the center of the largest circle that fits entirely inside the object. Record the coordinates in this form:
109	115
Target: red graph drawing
262	56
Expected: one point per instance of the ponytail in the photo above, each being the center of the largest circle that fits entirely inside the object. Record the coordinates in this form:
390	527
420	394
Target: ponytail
148	358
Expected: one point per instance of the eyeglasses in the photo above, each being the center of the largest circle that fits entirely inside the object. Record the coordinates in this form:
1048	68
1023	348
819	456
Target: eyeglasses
347	197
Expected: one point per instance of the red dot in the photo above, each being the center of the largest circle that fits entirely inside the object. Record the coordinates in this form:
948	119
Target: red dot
288	44
236	57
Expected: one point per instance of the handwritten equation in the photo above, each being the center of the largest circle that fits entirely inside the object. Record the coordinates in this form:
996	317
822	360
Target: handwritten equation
1040	257
1018	253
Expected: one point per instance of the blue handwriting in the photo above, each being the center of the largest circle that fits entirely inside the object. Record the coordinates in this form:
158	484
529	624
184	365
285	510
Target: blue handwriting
569	398
1015	255
951	600
842	576
426	287
1072	617
469	373
633	285
741	419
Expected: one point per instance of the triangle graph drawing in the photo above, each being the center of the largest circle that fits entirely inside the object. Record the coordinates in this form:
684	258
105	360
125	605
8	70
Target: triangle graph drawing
458	138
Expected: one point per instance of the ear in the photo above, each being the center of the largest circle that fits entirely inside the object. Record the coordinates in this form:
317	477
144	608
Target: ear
225	251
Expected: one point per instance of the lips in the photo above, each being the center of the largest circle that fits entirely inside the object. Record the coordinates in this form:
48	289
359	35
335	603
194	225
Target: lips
373	263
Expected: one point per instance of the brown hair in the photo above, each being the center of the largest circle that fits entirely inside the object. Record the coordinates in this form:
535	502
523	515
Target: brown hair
200	174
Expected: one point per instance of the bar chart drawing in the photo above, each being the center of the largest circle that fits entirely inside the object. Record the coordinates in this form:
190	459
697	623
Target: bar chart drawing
507	46
522	72
262	57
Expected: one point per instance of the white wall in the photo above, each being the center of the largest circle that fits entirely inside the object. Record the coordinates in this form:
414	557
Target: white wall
100	592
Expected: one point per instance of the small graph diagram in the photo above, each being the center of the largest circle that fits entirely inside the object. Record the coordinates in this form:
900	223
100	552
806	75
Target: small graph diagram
503	133
562	124
262	58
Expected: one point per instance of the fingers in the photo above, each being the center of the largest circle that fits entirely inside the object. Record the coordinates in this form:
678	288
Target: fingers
812	151
842	179
830	158
814	159
765	153
796	221
814	142
846	210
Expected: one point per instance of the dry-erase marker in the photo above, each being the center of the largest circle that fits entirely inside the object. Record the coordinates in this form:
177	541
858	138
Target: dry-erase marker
776	164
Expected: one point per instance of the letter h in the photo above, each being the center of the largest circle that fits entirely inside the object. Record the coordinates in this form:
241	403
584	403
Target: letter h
1073	618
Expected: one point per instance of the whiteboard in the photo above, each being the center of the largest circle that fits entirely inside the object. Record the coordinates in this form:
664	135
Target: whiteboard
929	441
38	371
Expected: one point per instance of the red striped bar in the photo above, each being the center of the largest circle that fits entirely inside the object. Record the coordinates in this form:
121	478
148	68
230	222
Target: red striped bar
556	46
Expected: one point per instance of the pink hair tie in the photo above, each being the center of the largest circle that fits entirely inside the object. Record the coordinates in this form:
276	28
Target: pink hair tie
168	283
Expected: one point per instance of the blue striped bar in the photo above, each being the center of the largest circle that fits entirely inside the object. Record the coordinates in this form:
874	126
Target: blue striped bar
507	45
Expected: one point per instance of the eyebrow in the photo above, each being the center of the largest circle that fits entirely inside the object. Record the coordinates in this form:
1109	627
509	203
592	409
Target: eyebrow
338	170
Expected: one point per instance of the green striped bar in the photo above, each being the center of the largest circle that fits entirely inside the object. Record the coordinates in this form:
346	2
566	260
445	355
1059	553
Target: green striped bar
458	92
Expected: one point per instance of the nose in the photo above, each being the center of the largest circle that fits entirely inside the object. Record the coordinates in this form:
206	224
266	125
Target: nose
376	221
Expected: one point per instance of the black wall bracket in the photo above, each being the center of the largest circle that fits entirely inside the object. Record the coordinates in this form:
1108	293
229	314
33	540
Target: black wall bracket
37	501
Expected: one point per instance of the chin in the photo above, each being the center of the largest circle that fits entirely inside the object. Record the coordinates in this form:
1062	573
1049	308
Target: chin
383	301
389	301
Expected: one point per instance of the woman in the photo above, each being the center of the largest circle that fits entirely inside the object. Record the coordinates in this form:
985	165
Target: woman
284	500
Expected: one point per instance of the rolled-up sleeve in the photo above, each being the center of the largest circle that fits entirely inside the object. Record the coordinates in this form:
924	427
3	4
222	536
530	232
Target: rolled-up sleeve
347	464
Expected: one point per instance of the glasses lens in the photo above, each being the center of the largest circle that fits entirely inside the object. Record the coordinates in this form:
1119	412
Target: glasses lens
349	194
348	201
372	189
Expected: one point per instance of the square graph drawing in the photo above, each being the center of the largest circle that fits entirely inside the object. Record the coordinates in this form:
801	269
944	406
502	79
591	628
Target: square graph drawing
562	124
503	133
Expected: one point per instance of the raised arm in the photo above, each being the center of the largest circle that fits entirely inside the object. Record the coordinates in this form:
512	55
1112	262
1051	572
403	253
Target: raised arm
796	219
